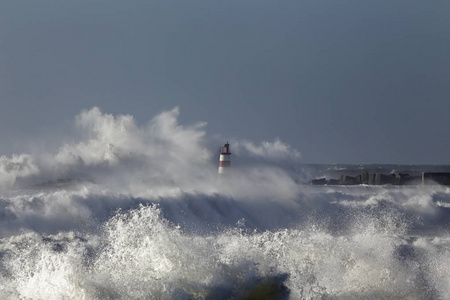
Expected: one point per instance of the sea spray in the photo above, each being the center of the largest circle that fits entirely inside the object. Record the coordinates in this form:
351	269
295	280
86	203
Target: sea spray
133	217
138	253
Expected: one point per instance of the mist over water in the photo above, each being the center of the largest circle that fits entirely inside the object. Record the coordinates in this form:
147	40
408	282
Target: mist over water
139	212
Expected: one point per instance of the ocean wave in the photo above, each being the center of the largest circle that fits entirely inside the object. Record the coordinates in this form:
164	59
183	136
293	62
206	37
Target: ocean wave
139	212
200	246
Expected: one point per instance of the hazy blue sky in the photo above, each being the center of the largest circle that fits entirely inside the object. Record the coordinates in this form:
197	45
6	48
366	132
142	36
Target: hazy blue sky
340	81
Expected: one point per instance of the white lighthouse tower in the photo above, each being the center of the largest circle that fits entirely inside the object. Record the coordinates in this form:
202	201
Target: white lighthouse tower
224	158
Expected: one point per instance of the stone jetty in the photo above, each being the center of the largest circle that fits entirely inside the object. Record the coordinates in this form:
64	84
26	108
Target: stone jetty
427	178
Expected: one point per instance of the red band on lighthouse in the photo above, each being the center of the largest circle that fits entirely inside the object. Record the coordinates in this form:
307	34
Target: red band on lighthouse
224	163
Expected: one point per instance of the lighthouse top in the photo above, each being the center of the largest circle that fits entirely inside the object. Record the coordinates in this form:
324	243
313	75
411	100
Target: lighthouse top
225	150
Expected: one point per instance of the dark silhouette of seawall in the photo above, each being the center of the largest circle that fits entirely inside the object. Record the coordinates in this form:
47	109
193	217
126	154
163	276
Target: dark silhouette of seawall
427	178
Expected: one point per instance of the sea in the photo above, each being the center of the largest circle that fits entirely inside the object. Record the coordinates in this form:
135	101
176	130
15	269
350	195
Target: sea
257	235
127	211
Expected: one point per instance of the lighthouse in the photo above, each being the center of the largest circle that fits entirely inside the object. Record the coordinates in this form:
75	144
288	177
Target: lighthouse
224	158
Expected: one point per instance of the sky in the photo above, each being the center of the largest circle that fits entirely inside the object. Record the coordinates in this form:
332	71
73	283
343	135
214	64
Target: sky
338	81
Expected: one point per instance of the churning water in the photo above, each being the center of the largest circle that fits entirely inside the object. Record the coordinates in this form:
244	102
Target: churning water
149	221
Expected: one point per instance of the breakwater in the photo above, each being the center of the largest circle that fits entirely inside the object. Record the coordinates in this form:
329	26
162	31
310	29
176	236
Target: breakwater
427	178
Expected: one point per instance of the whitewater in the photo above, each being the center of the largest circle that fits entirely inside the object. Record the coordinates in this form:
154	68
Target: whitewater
128	211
